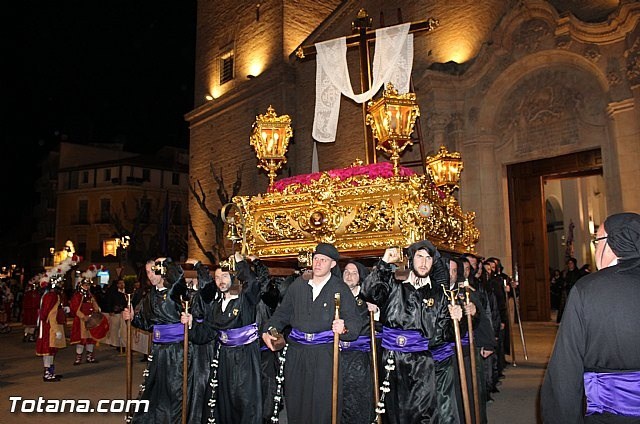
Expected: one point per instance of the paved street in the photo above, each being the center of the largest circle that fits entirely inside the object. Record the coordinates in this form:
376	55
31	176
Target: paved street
21	375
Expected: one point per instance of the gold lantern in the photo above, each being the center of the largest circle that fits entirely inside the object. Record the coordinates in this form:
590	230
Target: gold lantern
444	169
270	138
392	118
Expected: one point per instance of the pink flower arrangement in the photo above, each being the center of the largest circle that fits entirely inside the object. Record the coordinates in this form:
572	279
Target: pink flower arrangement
373	171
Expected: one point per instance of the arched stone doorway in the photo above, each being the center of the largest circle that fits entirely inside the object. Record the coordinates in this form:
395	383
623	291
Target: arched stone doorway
547	119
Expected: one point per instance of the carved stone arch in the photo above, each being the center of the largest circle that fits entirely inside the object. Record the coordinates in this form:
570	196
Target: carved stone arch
573	88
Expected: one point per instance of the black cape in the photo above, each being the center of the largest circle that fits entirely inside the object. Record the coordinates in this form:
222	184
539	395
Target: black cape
599	333
163	384
357	379
308	369
412	398
239	394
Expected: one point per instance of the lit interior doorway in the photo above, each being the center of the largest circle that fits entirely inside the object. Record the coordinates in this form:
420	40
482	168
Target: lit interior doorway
570	189
574	208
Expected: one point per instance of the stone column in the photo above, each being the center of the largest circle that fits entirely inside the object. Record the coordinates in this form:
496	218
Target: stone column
482	192
622	160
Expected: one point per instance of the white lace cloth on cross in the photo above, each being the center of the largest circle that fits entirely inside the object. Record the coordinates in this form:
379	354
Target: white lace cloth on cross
392	62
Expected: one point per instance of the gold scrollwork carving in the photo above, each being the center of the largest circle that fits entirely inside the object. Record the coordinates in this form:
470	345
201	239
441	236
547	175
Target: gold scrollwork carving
357	214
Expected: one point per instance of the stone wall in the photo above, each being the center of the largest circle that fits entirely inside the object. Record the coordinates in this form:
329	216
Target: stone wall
529	84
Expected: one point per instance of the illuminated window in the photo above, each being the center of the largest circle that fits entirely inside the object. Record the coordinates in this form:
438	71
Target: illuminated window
226	67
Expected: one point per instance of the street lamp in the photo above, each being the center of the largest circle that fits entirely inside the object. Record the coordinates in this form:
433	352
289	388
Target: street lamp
122	243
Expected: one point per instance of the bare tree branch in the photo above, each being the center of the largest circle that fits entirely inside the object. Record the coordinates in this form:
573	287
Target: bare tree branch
215	218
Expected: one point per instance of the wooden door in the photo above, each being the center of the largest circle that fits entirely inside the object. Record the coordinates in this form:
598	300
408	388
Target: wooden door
529	237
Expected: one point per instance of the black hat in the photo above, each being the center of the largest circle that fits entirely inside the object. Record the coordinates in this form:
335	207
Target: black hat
327	250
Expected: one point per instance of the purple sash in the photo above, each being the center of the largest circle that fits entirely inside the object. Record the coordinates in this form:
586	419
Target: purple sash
617	393
408	341
322	337
239	336
168	333
448	349
361	344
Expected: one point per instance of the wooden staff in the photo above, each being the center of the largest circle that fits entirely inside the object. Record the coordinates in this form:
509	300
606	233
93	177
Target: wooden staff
472	355
129	361
185	365
461	370
336	353
374	364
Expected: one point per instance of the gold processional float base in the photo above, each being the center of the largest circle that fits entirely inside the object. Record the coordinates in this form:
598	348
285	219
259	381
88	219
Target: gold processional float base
362	210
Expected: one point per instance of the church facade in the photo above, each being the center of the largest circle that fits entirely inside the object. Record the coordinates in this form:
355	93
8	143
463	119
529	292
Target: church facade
529	92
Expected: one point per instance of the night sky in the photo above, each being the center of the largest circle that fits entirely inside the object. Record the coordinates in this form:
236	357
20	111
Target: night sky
87	71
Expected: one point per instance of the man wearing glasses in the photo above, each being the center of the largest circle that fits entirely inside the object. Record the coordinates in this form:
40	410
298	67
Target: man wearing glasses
596	352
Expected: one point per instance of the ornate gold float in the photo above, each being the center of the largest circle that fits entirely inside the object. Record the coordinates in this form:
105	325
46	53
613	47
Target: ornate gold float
362	209
360	214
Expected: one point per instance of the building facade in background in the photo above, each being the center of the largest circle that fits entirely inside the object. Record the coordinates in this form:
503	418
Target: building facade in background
101	193
540	97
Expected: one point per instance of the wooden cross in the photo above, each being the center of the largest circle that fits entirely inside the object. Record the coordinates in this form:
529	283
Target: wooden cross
363	24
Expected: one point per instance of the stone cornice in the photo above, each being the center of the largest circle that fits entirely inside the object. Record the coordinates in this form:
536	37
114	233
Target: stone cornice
615	29
615	108
245	92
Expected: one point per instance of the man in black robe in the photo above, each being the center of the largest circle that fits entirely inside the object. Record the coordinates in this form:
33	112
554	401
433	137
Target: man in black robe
596	351
356	356
202	290
416	317
449	387
483	337
159	313
232	324
309	308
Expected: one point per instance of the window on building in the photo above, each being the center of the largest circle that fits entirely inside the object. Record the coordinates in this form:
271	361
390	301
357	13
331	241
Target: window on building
226	67
81	245
146	175
175	178
83	212
107	174
105	210
176	212
85	177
